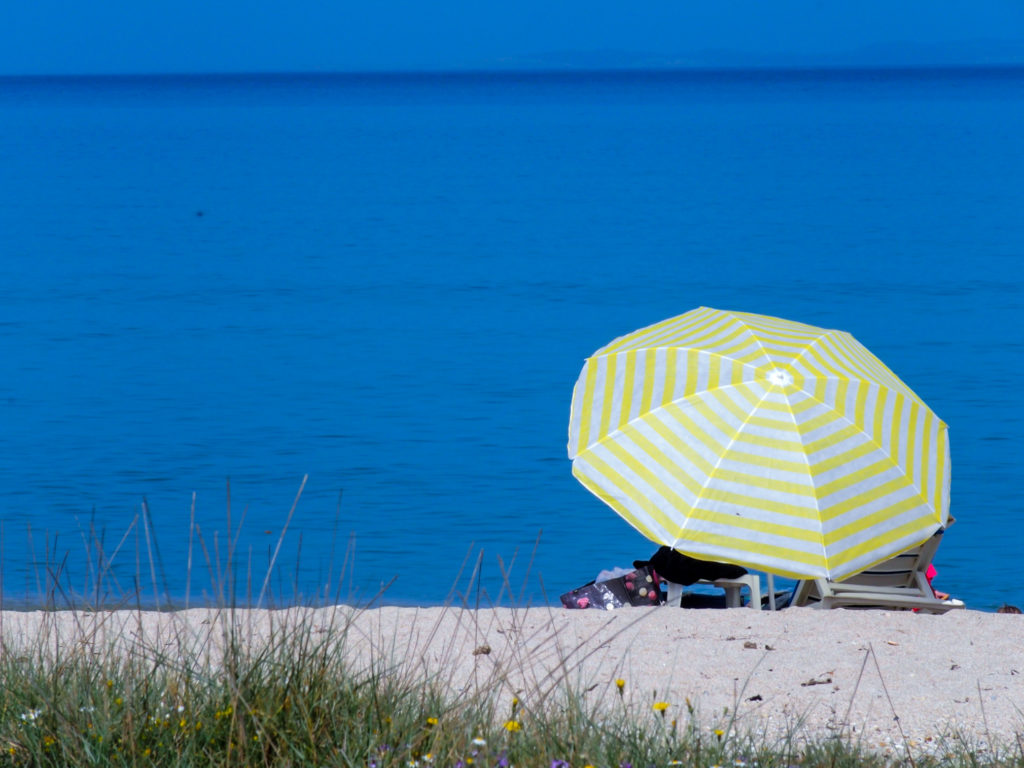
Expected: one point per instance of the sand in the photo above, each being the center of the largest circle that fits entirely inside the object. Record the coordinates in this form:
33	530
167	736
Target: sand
885	678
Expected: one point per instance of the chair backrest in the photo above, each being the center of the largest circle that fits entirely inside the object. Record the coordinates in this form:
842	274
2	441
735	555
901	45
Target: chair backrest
900	581
901	570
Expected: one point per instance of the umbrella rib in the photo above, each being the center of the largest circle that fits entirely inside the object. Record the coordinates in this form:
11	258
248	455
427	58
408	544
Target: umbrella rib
807	463
757	340
871	439
673	401
722	454
869	368
882	388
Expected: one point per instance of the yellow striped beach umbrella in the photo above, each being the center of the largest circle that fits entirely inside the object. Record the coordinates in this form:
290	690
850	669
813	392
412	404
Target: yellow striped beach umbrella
758	441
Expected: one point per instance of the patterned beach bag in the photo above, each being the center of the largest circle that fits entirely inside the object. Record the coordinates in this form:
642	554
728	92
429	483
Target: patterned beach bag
639	587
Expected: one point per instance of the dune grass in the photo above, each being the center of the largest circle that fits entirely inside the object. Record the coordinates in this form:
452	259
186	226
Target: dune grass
294	698
227	686
304	693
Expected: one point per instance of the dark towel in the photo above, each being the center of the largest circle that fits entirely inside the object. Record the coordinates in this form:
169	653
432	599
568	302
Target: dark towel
683	569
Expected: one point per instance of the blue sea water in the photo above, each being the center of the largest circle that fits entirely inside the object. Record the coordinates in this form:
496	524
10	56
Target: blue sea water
389	284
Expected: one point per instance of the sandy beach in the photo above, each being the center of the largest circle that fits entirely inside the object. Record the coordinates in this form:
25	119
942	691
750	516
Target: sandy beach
882	677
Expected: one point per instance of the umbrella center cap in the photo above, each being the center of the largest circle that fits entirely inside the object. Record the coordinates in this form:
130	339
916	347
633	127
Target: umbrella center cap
780	378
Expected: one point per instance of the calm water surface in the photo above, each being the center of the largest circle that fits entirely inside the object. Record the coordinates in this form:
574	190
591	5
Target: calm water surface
389	284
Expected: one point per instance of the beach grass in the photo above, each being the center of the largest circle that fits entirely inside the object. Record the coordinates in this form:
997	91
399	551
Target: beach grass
225	685
303	692
296	698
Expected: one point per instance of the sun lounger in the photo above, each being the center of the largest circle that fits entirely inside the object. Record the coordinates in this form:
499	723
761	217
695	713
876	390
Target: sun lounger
899	583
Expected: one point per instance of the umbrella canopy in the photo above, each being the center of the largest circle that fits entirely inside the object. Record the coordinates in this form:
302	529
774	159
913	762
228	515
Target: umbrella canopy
758	441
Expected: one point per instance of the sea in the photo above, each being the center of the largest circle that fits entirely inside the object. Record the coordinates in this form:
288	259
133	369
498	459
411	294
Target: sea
281	338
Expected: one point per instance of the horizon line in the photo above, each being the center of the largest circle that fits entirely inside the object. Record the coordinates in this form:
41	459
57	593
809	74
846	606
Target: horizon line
534	71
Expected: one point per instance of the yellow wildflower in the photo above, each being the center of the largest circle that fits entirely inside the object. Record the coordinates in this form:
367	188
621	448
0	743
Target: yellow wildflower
660	706
512	726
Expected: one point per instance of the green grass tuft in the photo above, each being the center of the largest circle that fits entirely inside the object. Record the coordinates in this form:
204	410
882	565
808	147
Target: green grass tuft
294	698
217	691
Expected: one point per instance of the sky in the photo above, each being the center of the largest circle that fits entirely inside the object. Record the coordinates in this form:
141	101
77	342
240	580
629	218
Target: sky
193	36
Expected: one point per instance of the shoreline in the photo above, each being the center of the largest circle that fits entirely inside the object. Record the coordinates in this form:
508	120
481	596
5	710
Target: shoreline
883	678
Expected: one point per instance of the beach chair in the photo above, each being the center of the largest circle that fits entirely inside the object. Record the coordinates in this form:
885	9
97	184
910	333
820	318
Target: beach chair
732	587
676	570
899	583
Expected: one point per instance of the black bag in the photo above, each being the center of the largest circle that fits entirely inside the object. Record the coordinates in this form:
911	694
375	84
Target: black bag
639	587
682	569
